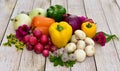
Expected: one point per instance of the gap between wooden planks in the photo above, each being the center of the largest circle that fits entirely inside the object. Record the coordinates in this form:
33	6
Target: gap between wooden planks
111	12
10	58
6	9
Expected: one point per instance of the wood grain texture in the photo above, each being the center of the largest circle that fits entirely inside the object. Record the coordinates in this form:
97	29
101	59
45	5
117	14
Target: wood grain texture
77	8
106	57
41	4
6	8
49	65
117	3
60	2
10	58
112	15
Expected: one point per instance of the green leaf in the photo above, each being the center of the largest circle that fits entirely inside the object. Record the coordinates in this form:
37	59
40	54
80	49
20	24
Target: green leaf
56	63
52	58
70	63
60	62
111	37
66	64
19	45
12	40
5	44
106	34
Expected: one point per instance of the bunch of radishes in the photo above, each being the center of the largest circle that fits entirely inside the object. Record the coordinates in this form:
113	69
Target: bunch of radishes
39	42
80	46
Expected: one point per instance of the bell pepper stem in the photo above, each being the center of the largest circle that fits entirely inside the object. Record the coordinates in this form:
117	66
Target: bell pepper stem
59	28
88	25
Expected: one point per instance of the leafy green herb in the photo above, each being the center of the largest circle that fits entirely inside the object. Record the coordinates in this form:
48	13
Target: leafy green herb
12	40
58	61
109	37
70	63
19	45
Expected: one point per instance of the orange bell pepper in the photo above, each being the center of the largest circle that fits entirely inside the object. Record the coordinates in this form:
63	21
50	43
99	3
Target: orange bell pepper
42	23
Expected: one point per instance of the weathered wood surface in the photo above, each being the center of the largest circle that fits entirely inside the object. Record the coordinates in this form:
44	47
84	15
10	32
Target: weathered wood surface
106	13
6	9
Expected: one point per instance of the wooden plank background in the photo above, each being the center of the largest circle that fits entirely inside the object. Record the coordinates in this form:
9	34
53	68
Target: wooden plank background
106	13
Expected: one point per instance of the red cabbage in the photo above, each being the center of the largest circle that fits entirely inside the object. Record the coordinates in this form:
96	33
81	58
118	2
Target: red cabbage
73	20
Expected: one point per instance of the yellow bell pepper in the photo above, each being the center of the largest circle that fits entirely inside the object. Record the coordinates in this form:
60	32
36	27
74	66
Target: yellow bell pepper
60	33
89	28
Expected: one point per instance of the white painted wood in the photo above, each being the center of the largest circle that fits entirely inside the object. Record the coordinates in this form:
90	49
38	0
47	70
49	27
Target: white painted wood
118	3
87	65
31	61
77	8
60	2
112	11
106	57
6	8
41	4
10	59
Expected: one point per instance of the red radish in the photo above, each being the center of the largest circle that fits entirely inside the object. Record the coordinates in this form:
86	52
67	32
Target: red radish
33	40
47	47
37	33
38	48
45	53
29	47
50	43
44	39
26	38
53	48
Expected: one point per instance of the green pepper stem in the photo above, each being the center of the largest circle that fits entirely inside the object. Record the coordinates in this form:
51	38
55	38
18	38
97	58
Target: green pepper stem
59	28
88	25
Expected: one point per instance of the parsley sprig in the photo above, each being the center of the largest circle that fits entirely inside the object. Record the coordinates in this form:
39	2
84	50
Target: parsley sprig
57	60
12	40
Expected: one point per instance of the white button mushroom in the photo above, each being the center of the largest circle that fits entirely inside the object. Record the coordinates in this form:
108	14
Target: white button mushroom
77	37
70	47
90	50
73	39
80	55
81	44
80	34
89	41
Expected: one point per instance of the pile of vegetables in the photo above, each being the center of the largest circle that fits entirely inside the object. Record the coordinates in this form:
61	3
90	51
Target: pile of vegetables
64	38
